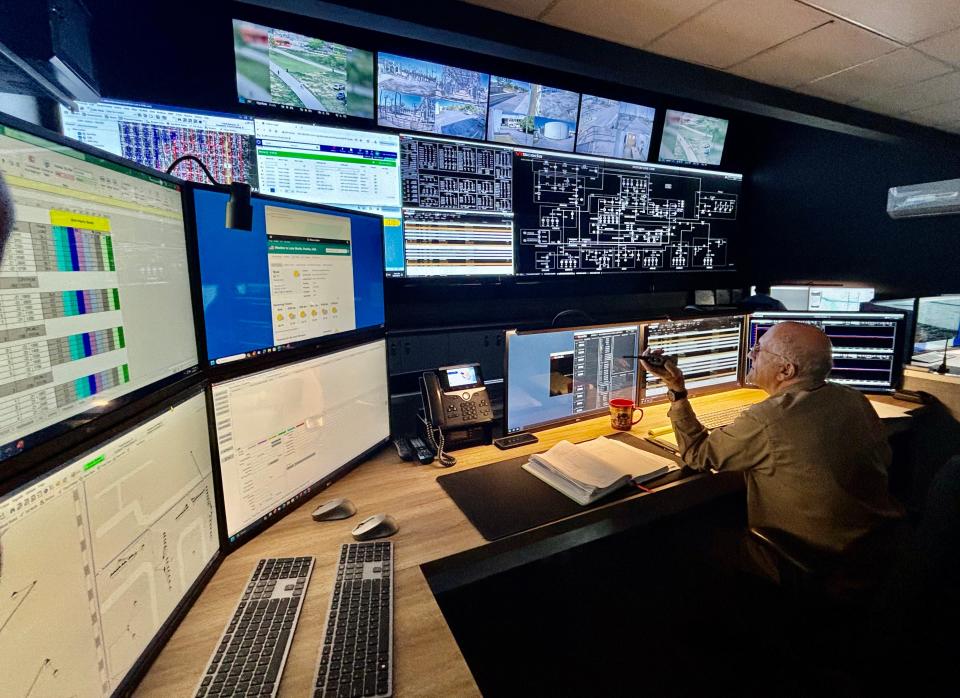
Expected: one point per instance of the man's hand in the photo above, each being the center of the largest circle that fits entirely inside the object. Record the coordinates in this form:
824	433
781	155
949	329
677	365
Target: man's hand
669	373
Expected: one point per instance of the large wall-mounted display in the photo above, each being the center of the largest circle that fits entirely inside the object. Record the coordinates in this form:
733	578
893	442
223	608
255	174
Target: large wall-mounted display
614	129
284	69
692	139
417	95
155	136
529	114
580	215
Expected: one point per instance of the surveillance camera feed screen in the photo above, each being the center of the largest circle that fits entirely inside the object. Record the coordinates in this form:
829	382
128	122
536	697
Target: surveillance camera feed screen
614	129
289	70
524	113
422	96
692	139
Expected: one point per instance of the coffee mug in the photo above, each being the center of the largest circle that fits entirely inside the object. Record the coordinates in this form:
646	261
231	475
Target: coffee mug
621	414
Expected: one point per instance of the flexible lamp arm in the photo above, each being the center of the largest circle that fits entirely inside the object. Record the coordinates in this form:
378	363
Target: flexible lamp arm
194	158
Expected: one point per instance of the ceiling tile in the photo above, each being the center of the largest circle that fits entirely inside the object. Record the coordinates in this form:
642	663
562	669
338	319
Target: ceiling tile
946	46
946	113
943	88
522	8
905	20
820	52
630	22
734	30
880	74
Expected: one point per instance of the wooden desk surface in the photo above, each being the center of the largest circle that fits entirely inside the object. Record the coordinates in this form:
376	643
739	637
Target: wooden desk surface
427	660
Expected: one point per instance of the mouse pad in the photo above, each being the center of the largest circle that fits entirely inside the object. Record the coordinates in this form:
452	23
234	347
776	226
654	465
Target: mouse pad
502	498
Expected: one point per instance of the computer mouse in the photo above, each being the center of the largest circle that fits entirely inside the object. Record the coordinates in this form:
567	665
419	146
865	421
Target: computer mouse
334	509
376	526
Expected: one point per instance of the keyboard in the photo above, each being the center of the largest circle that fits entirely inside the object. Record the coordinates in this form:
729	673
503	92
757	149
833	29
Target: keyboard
721	418
356	658
251	653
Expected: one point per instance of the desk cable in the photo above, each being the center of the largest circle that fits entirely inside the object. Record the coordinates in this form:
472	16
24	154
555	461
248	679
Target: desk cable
444	459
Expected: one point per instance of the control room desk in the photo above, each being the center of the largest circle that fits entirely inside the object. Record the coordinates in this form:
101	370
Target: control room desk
427	661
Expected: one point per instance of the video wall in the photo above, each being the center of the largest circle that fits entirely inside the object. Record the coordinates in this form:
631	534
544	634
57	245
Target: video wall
476	174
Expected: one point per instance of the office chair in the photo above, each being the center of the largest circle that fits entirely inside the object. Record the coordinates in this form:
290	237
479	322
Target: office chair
572	317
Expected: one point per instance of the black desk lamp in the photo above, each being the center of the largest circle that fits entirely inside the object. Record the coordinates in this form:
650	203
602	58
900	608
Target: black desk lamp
239	208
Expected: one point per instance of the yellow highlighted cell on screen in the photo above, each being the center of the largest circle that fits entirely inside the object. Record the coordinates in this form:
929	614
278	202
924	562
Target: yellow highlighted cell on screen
69	219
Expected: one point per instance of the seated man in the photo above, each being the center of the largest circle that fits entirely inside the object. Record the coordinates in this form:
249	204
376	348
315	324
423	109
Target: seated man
814	453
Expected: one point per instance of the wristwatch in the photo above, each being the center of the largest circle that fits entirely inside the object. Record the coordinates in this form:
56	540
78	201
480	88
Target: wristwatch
674	395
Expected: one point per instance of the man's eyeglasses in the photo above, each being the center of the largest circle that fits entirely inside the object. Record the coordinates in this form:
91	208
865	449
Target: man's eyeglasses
757	348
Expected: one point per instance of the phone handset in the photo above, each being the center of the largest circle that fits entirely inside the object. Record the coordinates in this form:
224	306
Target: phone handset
433	419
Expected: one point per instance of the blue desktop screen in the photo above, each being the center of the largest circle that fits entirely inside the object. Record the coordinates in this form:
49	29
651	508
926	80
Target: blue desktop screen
303	272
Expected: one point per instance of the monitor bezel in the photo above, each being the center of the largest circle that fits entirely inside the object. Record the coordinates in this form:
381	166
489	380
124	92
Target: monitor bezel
252	530
249	364
710	389
896	381
130	421
593	414
58	437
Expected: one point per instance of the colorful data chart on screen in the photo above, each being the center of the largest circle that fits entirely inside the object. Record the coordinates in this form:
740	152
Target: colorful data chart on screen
94	295
98	553
289	70
418	95
155	136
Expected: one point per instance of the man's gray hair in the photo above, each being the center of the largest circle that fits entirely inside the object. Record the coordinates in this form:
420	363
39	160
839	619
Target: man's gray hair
807	348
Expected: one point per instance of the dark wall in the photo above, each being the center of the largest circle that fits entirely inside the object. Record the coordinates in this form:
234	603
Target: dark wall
818	211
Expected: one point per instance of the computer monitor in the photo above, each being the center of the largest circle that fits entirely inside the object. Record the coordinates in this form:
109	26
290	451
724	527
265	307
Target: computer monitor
458	207
284	433
842	298
283	69
558	376
528	114
103	554
155	136
708	351
353	169
94	290
417	95
867	347
614	129
692	139
585	215
937	331
304	272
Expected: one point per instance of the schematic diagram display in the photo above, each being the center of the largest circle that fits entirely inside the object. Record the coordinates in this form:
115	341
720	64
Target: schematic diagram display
94	294
99	553
580	215
156	136
458	203
455	175
708	351
281	432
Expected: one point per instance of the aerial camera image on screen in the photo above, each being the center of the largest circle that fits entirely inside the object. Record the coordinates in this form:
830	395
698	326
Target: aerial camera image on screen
288	69
524	113
691	138
615	129
423	96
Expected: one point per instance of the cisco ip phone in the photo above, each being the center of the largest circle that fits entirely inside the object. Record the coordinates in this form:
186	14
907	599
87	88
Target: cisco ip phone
456	409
